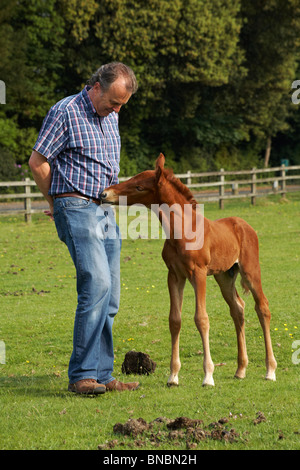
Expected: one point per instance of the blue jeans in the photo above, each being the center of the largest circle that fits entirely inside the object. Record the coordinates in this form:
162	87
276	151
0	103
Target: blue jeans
93	240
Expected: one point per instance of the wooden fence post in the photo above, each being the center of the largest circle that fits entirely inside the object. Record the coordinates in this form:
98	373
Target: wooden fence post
283	181
235	189
189	179
27	200
253	186
221	189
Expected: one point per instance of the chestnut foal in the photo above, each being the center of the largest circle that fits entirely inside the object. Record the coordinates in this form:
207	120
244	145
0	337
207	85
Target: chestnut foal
229	247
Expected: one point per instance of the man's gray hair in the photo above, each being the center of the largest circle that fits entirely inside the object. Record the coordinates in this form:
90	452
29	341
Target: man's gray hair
108	73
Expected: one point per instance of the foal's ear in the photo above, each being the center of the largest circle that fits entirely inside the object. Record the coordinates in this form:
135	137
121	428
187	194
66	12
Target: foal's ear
160	162
159	166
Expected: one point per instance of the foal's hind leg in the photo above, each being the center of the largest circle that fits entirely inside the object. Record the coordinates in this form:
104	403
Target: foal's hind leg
251	279
226	283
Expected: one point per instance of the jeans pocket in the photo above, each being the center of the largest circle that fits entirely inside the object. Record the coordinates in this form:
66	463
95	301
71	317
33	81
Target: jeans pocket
76	203
64	208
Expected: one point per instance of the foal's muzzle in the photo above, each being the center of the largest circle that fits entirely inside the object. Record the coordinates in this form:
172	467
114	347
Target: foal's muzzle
108	197
103	196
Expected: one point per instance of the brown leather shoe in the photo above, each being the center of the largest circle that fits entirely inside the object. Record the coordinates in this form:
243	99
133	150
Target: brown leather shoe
87	387
120	386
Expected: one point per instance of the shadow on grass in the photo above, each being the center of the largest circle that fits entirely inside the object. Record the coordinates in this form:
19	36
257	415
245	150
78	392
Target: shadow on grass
36	386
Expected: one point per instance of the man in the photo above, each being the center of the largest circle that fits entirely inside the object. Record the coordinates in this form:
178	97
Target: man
75	157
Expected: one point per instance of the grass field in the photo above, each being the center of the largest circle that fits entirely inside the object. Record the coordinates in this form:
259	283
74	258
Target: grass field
38	300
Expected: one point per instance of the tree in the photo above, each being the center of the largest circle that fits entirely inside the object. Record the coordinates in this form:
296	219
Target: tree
270	38
214	76
246	114
178	49
31	44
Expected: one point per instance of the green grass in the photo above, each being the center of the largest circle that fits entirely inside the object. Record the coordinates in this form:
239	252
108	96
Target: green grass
38	300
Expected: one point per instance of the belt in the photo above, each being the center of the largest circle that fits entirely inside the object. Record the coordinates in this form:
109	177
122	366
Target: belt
79	195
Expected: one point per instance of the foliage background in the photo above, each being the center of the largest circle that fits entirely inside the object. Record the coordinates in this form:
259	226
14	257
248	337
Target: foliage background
214	76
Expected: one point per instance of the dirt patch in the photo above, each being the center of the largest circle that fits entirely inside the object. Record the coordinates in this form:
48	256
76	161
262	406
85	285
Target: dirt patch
138	363
219	432
174	431
132	427
184	423
260	417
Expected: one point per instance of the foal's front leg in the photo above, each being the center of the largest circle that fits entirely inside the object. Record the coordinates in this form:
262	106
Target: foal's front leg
176	285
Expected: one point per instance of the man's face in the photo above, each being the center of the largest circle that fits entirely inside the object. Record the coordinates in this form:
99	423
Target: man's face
113	99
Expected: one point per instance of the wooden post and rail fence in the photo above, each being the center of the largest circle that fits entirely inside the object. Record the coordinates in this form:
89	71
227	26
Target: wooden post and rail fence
209	186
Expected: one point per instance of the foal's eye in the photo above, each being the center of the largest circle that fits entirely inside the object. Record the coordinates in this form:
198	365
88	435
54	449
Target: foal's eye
140	188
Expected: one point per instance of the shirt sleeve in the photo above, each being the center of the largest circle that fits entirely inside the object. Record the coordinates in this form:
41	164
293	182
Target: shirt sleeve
53	136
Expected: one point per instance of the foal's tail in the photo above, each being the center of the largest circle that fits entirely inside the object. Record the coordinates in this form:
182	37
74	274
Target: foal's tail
245	286
248	257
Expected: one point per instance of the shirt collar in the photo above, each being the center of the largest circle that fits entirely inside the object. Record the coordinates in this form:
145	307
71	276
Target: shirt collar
87	101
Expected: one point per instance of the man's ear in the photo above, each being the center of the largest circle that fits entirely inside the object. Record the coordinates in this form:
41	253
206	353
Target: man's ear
159	166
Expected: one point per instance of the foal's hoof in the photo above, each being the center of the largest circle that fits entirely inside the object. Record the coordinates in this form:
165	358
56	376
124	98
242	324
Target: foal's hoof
208	382
271	377
239	376
173	380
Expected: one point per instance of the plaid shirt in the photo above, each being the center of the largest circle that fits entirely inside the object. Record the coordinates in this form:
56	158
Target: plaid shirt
82	148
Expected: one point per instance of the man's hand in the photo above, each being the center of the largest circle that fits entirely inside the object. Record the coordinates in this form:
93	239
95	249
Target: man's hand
49	212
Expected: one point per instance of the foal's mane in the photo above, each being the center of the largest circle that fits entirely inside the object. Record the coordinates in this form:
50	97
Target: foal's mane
179	186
